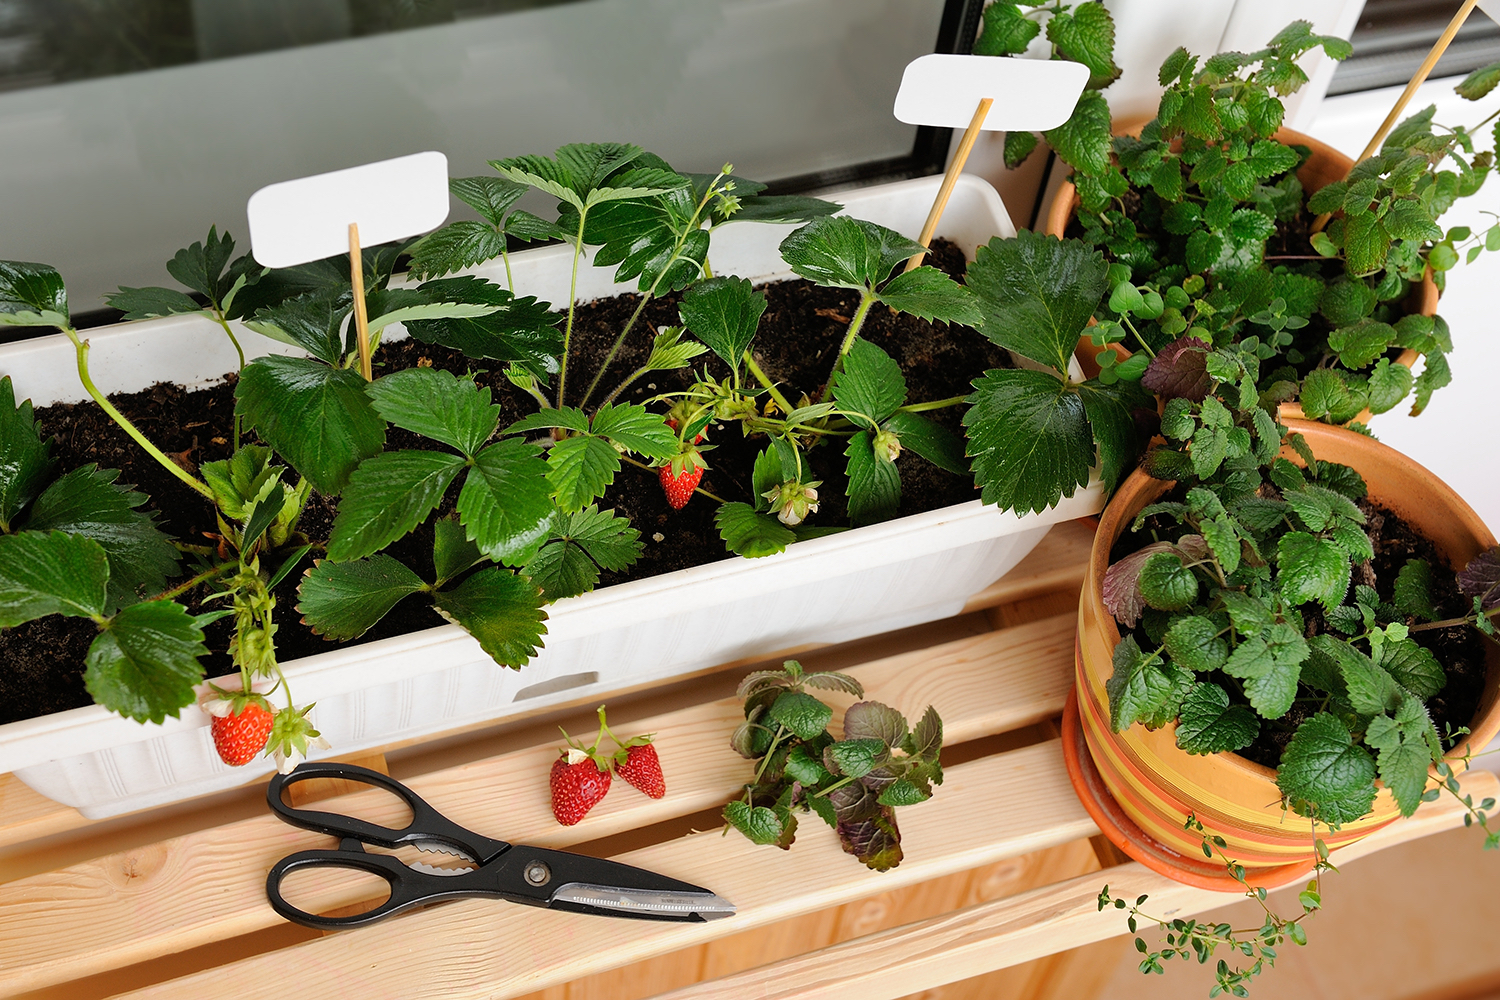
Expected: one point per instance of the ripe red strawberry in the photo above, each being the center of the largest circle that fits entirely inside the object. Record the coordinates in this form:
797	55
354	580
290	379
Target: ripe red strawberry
642	769
578	784
239	737
672	423
679	485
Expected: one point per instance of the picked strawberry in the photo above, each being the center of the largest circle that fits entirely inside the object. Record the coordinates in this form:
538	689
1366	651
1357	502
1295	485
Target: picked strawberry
641	768
681	475
242	724
579	781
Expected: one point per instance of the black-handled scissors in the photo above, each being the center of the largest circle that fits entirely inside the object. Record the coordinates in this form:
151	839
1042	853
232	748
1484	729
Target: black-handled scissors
531	875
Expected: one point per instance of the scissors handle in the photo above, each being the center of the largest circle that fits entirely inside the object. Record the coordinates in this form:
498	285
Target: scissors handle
409	888
427	825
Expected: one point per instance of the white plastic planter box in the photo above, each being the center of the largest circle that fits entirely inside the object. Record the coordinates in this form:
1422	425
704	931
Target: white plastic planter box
831	589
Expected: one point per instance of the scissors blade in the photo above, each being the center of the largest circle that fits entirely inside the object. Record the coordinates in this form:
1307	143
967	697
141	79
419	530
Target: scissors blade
581	884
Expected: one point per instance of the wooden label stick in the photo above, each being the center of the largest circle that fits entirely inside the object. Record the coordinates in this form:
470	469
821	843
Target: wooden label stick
1030	95
361	321
955	167
1412	85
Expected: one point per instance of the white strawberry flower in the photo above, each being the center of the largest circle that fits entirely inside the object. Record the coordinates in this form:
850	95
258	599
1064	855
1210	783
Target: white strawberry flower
793	501
287	758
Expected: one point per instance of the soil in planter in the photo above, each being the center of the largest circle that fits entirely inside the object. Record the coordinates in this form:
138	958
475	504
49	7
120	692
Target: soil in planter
798	340
1459	649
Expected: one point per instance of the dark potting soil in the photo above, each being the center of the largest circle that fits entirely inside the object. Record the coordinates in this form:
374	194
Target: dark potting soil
1459	649
798	341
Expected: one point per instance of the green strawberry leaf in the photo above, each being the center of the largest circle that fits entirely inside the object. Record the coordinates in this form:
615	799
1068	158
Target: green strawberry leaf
630	425
343	601
934	442
316	417
32	295
723	312
927	293
438	405
846	253
500	609
1210	724
874	483
505	504
51	573
578	547
387	497
145	303
870	386
452	552
454	247
313	322
581	469
1029	439
25	459
1037	294
520	331
747	532
144	662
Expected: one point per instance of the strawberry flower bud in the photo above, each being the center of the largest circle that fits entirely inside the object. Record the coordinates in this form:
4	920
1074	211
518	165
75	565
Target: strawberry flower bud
793	501
887	446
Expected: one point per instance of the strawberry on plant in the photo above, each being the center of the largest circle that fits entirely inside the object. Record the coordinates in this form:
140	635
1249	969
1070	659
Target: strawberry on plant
681	475
242	724
292	737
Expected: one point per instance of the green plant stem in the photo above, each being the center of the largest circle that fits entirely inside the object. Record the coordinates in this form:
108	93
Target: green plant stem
835	786
82	347
936	404
219	318
184	587
855	326
765	381
781	733
1450	622
510	282
562	372
642	465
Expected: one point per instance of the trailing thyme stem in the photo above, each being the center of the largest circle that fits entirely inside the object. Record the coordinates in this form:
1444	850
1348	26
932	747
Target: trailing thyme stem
82	347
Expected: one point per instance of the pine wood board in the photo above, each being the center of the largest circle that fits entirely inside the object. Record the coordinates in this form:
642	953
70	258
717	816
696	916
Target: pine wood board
988	809
996	935
207	885
1057	563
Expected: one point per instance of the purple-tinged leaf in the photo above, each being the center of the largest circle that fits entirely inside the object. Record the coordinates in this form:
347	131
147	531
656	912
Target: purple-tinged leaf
1481	578
1122	586
1180	370
867	829
870	720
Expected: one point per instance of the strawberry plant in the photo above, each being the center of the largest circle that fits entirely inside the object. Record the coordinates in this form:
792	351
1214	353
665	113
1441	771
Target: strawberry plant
854	784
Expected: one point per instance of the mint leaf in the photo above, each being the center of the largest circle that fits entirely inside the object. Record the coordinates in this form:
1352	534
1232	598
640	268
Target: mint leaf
1362	343
344	600
32	295
51	573
874	483
438	405
723	312
580	469
870	386
870	720
1481	578
749	533
1371	690
801	713
1137	687
25	459
520	331
144	663
505	504
316	417
1168	585
758	823
1403	769
927	293
1006	30
1194	642
387	497
1087	35
845	252
1210	724
1083	141
1180	370
1413	667
1029	439
500	609
1389	384
313	322
1413	590
1312	569
1037	294
579	545
934	442
86	502
1321	766
865	828
855	758
144	303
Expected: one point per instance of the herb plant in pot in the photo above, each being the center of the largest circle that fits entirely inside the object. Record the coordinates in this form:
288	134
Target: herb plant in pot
1208	215
885	573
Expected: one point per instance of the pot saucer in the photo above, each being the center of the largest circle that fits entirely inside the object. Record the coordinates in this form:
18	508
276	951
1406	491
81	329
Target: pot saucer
1123	832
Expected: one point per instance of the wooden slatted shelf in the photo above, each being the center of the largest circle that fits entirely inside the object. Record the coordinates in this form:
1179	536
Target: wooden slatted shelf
999	869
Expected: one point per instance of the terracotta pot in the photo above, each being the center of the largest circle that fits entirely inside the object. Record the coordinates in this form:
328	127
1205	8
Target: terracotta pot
1323	167
1155	785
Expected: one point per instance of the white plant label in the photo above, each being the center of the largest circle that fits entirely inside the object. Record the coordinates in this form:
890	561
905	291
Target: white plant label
294	222
1031	95
1492	8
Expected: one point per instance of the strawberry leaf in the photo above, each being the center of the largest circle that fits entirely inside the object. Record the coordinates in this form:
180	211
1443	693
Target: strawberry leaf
846	253
520	331
144	303
51	573
500	609
1029	439
438	405
313	322
32	295
577	547
343	601
144	662
1037	293
723	312
750	533
870	386
934	442
25	459
505	504
874	483
927	293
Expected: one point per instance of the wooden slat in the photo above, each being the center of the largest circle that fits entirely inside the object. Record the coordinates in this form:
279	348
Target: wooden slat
996	935
1057	563
209	885
992	808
